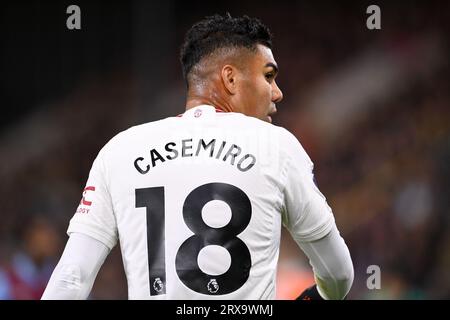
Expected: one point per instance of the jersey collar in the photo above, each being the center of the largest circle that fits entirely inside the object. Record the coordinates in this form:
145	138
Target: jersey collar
200	110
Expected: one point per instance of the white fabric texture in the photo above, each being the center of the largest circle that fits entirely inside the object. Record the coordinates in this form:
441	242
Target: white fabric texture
332	265
77	269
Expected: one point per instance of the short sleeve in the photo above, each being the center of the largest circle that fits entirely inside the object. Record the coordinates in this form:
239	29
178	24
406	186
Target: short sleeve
307	215
94	215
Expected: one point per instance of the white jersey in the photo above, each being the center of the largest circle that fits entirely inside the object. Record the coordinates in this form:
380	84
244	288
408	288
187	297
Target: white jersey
197	202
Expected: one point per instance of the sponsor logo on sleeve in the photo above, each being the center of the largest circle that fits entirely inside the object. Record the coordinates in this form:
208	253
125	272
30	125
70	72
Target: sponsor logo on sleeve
84	203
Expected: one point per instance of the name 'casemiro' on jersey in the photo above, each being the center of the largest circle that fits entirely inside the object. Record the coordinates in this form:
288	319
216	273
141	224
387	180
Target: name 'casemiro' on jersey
232	154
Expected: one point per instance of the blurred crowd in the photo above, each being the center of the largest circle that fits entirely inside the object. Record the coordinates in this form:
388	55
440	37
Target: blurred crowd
386	176
389	184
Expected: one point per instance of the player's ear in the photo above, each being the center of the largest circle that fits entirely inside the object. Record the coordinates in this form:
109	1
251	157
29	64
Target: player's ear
228	74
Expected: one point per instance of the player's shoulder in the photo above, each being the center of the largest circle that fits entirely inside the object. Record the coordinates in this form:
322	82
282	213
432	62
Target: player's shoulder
249	122
286	139
289	145
293	149
127	136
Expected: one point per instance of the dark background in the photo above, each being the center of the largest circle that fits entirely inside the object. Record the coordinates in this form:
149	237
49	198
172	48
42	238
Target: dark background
371	107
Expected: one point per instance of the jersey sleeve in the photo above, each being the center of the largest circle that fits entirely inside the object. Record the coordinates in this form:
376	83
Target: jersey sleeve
95	216
306	213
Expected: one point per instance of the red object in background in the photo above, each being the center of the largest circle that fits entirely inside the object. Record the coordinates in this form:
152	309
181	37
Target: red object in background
23	290
24	278
291	281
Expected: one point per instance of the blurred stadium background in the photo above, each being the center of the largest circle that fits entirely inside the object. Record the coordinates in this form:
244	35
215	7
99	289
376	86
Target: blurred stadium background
372	108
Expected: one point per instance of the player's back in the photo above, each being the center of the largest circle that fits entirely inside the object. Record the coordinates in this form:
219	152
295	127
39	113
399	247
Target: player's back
197	202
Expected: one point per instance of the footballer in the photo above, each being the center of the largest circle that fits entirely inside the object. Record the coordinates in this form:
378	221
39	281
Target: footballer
197	201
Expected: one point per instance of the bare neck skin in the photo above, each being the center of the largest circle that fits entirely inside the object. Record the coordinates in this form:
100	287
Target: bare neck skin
200	94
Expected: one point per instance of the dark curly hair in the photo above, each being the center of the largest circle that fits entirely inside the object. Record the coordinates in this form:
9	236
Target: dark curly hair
219	32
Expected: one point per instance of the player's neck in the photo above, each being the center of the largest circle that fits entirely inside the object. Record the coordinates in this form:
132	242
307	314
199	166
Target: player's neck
194	100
